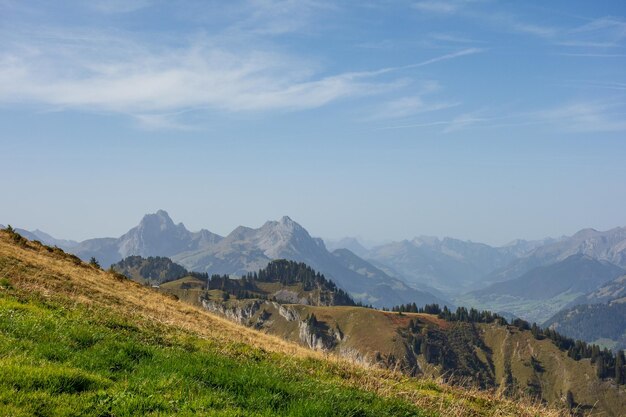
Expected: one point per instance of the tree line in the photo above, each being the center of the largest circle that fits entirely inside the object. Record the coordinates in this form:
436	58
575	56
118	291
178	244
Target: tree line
286	273
608	364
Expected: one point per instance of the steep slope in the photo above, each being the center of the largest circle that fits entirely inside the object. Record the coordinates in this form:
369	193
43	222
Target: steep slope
156	235
598	317
541	292
75	340
246	250
491	356
611	292
602	324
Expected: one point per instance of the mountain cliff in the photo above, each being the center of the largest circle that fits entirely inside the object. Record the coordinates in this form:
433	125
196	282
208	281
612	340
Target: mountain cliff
155	235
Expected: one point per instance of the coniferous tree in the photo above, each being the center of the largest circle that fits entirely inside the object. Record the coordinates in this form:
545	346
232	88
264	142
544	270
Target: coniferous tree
94	262
569	399
620	376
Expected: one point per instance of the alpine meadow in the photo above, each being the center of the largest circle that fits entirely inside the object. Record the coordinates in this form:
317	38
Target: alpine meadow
391	208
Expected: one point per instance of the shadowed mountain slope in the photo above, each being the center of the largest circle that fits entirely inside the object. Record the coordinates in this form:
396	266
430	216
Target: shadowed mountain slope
597	317
543	291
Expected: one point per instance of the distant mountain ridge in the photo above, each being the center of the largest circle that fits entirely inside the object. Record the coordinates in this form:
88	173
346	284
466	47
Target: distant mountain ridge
350	243
454	266
449	265
608	246
578	273
436	268
46	238
156	235
544	290
247	250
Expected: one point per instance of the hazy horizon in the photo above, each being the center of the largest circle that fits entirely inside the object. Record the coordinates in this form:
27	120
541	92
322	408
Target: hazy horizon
361	238
478	120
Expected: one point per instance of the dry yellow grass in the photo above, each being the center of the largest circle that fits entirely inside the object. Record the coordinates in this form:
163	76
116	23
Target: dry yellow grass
34	268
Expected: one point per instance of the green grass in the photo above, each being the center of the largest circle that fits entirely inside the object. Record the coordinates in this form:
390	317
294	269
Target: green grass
63	360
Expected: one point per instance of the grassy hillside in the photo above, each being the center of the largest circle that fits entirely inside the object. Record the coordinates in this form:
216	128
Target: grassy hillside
75	340
490	356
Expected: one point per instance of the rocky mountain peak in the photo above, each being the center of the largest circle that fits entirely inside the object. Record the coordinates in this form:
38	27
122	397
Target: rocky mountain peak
286	220
285	227
157	221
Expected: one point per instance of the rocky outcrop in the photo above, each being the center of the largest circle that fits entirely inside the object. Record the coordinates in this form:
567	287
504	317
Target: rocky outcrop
287	313
290	297
315	338
240	314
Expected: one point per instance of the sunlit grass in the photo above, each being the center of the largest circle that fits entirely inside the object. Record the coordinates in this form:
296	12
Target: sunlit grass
55	361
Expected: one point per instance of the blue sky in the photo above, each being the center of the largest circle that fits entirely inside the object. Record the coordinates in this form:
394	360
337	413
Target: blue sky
482	120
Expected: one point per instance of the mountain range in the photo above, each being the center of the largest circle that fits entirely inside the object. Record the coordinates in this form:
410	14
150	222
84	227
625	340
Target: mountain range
247	249
528	279
607	245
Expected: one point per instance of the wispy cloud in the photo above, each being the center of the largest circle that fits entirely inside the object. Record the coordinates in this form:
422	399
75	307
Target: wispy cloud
587	116
531	29
117	6
502	21
433	6
419	102
152	80
459	122
583	116
278	17
200	74
465	120
603	32
454	38
592	55
445	57
409	106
